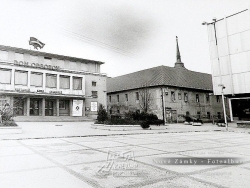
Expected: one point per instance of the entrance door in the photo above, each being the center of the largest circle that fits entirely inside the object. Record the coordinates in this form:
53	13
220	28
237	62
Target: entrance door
171	116
49	107
34	107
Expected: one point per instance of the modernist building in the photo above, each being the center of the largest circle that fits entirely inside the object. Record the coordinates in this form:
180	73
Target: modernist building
168	92
229	41
43	84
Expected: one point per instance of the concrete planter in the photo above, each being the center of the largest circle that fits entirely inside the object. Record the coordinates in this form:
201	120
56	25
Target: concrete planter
196	123
10	130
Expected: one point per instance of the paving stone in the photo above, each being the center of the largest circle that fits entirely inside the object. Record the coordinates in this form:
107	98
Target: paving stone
77	157
111	177
41	178
58	147
180	183
6	143
228	177
23	162
170	147
172	168
137	151
34	142
101	144
14	150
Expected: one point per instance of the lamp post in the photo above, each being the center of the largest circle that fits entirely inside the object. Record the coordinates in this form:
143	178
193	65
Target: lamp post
223	102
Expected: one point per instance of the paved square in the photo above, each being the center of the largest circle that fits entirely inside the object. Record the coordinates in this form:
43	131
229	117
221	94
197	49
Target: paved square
124	160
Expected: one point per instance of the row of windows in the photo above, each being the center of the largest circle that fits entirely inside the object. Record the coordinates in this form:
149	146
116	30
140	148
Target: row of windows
209	115
197	99
36	79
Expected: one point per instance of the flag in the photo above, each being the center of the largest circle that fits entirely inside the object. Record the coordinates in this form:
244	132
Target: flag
36	43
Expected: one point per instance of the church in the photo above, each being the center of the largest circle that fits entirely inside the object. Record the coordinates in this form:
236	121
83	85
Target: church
169	92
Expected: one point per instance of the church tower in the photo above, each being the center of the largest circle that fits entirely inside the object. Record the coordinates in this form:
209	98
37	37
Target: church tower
178	63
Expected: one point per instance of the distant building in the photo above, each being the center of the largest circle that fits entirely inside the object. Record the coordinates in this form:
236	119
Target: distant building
169	92
229	41
38	84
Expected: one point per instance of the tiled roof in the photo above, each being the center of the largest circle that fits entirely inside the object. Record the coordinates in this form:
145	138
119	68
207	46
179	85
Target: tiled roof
159	76
37	53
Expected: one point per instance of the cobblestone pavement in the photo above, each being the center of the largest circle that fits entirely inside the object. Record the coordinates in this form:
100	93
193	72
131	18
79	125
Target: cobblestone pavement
128	160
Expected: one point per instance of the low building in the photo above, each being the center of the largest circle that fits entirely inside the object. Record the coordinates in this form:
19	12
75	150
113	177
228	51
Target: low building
168	92
43	84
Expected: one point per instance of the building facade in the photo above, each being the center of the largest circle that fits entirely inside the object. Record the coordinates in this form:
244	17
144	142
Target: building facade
168	92
44	84
229	41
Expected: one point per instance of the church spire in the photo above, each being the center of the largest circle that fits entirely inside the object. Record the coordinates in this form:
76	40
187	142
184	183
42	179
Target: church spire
178	63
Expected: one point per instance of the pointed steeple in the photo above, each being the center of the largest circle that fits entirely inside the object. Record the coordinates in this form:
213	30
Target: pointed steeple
178	63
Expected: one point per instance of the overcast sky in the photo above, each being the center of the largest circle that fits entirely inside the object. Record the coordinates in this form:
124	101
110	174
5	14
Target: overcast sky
127	35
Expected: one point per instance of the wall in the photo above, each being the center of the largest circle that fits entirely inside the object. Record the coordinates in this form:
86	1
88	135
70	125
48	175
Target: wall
101	93
232	68
156	106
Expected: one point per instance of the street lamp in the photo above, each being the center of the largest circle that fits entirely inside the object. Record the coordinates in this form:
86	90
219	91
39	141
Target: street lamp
223	102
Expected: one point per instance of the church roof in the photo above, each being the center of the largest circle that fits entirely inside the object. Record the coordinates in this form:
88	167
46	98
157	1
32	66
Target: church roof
161	76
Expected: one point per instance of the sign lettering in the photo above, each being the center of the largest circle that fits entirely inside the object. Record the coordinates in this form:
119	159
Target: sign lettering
35	65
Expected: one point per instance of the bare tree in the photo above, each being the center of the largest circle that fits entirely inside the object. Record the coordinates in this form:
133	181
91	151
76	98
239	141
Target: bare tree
145	98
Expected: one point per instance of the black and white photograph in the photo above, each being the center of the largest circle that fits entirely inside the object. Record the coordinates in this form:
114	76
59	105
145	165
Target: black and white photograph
124	93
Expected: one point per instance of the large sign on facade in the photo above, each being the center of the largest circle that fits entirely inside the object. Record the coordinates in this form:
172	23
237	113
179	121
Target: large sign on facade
36	65
77	107
229	41
93	107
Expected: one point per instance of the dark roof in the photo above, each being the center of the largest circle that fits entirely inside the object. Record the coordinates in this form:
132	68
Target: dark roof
159	76
37	53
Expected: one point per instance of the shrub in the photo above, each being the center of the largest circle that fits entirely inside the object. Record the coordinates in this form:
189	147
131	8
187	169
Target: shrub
145	124
9	123
188	119
102	114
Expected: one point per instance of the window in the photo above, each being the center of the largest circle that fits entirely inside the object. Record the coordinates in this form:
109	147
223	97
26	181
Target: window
118	99
185	97
36	79
208	115
5	76
77	83
137	95
118	111
62	104
64	82
110	111
197	98
18	106
93	83
207	97
218	98
172	96
94	94
126	97
179	96
198	115
219	115
109	98
21	78
51	80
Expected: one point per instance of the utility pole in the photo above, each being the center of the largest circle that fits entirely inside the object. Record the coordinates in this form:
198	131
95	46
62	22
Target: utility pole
163	105
223	102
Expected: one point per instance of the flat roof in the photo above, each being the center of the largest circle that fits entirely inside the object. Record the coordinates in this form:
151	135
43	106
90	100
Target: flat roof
50	55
